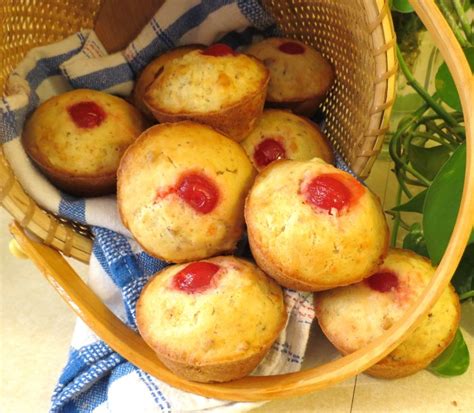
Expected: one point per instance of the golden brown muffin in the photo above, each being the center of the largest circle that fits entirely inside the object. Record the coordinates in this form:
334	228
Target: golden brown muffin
313	227
181	190
77	139
151	72
279	134
351	317
300	76
213	320
215	86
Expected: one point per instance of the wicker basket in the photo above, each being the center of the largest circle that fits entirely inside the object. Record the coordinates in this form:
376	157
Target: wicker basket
357	37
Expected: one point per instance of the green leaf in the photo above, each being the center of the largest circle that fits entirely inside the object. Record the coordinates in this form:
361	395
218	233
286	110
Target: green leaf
445	84
428	161
454	361
415	240
407	103
463	279
402	6
415	204
442	204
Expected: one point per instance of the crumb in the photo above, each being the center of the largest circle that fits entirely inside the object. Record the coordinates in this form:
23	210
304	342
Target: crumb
454	403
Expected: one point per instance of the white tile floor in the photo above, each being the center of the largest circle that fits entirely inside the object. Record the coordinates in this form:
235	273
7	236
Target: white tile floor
36	327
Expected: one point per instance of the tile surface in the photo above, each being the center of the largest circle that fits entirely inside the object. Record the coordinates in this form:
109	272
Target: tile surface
36	328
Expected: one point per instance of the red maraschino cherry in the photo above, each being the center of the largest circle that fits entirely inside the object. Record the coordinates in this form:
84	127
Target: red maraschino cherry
219	49
327	192
198	191
86	115
267	151
383	281
195	277
291	48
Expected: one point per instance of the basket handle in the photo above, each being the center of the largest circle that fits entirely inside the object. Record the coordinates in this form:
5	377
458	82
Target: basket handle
120	21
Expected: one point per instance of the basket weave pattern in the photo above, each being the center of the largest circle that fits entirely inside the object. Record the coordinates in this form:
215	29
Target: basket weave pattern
349	34
29	23
356	36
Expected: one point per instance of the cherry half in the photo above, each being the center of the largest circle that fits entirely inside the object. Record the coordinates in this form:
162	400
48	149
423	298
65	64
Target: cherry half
198	191
383	281
87	114
328	192
195	277
219	49
291	48
267	151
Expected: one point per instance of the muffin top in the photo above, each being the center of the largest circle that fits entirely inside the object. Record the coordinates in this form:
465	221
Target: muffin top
211	311
355	315
279	134
297	71
82	132
314	223
152	70
206	81
181	190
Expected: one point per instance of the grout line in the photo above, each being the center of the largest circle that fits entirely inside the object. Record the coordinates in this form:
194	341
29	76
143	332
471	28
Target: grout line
353	393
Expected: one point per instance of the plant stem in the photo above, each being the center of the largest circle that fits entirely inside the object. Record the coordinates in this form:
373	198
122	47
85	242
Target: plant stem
434	128
417	175
399	164
458	116
396	220
402	184
403	224
395	148
414	182
411	120
466	295
423	93
463	19
452	23
433	137
433	54
458	131
406	166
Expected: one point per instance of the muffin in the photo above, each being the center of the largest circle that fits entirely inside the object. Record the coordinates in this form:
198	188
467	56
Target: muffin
279	134
151	71
213	320
351	317
216	86
181	190
300	76
313	227
77	139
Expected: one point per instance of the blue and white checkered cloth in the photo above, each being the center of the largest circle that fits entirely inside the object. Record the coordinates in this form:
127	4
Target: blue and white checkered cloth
96	379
